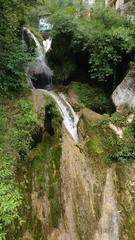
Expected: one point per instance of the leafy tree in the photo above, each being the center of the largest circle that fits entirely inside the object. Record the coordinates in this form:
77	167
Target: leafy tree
13	58
101	42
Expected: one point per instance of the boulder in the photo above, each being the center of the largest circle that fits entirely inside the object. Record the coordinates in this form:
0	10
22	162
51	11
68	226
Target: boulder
90	115
125	91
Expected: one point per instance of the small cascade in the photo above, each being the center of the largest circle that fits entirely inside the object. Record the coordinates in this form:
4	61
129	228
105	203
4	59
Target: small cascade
39	69
70	118
47	45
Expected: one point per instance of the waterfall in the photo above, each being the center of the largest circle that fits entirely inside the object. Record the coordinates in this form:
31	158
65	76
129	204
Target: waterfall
70	118
47	44
39	68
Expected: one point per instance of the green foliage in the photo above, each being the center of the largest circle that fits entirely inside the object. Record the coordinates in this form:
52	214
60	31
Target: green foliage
105	39
25	124
10	196
125	155
93	98
64	59
102	141
52	110
13	57
46	163
132	219
10	200
118	119
125	151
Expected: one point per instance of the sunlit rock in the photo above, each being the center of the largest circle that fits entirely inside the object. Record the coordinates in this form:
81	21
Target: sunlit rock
125	91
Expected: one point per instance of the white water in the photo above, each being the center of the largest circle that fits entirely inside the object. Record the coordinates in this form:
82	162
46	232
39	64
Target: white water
70	118
40	66
47	44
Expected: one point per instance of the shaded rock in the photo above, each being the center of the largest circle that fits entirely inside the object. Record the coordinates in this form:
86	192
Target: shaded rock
90	115
125	91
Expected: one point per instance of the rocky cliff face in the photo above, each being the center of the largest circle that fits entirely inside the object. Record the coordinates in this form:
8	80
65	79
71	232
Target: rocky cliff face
74	194
125	186
125	91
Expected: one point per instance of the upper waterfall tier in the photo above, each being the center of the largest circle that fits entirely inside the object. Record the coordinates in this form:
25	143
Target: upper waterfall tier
40	67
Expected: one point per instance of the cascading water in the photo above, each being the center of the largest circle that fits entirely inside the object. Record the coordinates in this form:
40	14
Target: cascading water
70	118
39	68
47	44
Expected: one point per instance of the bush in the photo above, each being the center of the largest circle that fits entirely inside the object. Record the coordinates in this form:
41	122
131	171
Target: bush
125	151
118	119
25	124
93	98
125	155
13	57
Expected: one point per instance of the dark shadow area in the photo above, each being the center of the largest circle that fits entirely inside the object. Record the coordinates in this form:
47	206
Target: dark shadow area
37	137
49	115
41	80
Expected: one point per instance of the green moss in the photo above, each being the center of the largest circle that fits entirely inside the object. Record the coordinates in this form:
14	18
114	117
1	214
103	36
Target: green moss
96	146
102	140
92	97
15	176
38	231
119	119
10	196
125	151
46	163
57	155
25	123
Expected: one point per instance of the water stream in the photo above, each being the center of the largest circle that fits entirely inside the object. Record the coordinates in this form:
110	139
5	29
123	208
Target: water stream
47	45
70	118
39	67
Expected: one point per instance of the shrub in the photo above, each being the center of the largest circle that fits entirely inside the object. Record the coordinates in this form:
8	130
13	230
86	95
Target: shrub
13	57
125	155
118	119
25	124
93	98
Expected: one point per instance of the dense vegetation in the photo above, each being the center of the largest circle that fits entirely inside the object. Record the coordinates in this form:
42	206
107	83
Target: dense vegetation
15	140
101	45
92	97
125	151
13	57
